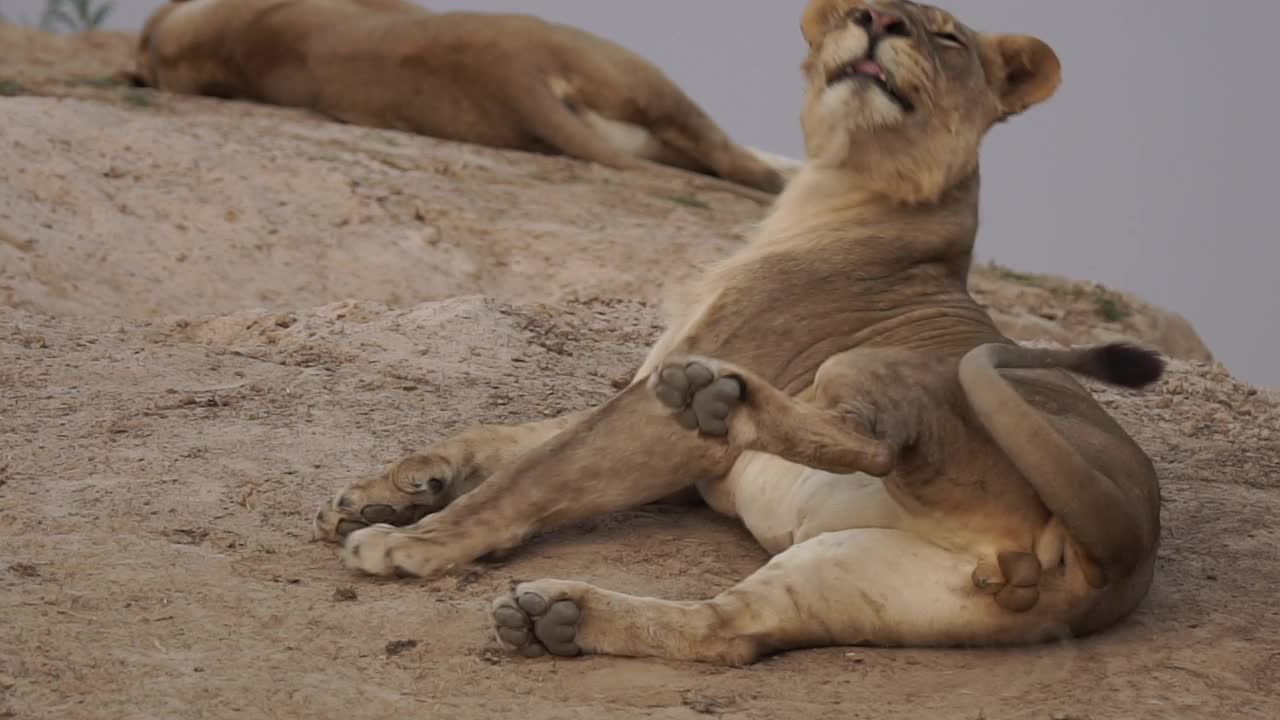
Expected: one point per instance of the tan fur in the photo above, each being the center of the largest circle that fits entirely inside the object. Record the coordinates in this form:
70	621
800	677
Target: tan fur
920	479
506	81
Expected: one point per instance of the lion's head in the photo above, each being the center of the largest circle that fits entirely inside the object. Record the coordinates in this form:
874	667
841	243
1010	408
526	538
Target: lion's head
143	73
903	92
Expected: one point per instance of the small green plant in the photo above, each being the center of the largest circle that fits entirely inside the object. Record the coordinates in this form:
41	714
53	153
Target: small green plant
548	178
74	15
1112	310
104	82
139	98
11	88
1018	277
688	201
1011	274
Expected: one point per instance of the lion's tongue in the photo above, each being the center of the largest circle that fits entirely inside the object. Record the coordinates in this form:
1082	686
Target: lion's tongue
869	67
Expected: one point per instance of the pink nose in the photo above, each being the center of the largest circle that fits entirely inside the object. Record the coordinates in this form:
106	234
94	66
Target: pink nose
879	22
884	23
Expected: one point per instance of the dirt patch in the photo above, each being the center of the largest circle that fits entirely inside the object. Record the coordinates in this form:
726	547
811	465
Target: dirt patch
183	378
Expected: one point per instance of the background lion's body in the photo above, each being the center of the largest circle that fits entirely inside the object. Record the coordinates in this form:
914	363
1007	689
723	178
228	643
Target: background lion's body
502	80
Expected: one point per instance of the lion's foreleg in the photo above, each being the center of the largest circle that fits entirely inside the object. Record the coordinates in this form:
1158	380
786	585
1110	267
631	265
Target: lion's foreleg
428	481
624	454
722	400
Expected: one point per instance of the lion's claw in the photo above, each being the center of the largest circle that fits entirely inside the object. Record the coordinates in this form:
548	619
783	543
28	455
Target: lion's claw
403	495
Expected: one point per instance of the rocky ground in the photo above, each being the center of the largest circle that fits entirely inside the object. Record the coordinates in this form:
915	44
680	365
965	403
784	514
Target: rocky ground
214	314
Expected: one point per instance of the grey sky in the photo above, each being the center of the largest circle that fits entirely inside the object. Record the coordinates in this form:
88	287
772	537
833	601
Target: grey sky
1154	170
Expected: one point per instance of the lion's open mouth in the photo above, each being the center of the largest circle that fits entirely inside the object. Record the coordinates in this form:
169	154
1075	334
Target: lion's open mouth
868	71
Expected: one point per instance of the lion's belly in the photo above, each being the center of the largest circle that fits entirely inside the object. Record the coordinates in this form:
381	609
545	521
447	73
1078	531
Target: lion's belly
782	503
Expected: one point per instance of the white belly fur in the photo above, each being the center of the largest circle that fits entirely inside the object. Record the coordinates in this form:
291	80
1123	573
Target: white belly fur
624	137
782	503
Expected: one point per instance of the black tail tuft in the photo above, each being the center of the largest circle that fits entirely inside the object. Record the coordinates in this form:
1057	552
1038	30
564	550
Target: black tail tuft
1129	365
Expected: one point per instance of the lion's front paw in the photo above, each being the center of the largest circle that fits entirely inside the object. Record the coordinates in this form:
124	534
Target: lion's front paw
340	517
538	618
402	495
702	392
389	551
370	549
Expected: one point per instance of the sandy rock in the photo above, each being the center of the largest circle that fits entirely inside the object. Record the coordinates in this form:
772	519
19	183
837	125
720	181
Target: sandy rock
1028	306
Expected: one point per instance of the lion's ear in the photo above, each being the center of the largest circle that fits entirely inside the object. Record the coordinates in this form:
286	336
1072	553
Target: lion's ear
813	22
1023	71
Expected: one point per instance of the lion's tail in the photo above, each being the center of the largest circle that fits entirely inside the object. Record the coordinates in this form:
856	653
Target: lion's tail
1098	513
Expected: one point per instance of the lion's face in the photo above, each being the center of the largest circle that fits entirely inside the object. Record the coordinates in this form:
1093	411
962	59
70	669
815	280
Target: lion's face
902	87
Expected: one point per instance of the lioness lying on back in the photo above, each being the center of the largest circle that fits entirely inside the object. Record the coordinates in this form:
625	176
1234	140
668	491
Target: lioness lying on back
921	479
507	81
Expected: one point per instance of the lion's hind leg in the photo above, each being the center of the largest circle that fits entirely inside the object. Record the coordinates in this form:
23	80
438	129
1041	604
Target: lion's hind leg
855	587
866	406
687	131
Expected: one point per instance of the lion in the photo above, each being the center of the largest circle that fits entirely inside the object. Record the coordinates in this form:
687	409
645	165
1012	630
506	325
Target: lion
501	80
919	479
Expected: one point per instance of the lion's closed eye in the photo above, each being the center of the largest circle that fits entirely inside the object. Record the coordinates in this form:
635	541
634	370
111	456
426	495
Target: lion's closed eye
950	39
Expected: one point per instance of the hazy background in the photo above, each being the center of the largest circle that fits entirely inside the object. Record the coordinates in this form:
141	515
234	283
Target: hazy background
1154	170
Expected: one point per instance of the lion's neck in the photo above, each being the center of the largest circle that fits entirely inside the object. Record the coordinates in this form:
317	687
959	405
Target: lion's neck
883	273
819	201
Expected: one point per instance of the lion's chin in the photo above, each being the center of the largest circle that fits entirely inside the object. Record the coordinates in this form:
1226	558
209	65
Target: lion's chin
861	107
868	77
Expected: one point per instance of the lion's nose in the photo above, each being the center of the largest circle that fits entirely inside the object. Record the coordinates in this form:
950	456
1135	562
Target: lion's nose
879	22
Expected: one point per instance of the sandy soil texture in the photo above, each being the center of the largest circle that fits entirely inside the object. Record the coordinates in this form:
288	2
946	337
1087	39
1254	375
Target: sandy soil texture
213	314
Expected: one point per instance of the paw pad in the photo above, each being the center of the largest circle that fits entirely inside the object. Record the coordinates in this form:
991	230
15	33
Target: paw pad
535	626
701	400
